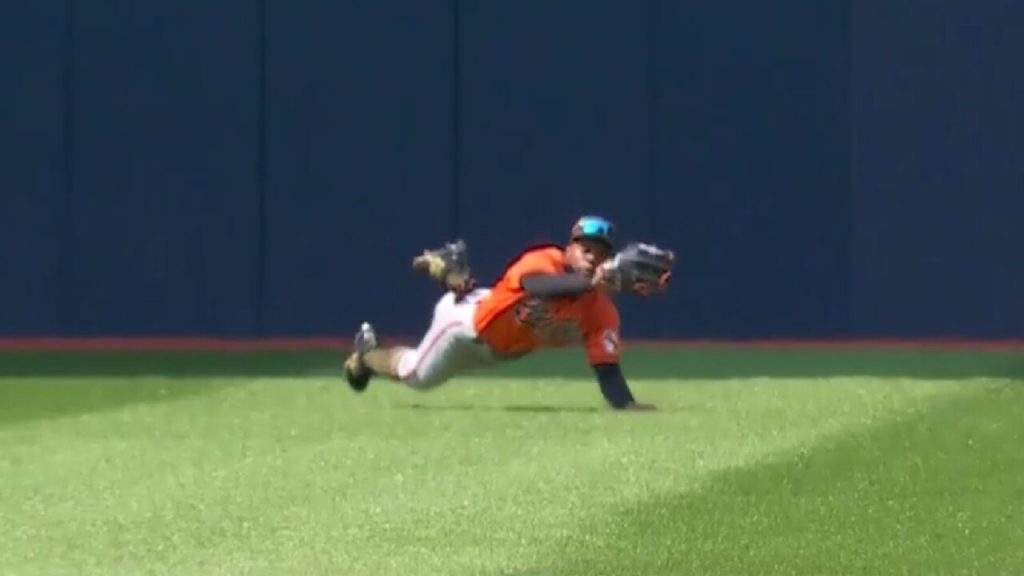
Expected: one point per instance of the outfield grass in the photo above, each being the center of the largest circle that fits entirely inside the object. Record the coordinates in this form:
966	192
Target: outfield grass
757	463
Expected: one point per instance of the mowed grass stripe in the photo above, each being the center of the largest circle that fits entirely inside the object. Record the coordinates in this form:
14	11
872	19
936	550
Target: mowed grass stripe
24	399
478	477
936	493
712	363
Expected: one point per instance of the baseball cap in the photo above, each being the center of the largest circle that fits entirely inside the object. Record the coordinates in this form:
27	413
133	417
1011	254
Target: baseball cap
593	228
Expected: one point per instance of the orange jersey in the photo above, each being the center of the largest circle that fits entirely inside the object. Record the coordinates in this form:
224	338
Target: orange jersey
513	323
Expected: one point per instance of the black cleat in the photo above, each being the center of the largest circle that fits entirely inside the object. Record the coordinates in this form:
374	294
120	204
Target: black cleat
448	266
445	264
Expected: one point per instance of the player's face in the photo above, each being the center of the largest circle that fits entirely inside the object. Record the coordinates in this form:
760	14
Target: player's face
584	255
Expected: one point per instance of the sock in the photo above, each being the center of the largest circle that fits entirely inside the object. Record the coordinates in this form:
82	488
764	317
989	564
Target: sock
384	361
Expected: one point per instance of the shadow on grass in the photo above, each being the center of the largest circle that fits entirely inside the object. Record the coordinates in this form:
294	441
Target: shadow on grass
27	400
683	364
539	408
535	409
936	493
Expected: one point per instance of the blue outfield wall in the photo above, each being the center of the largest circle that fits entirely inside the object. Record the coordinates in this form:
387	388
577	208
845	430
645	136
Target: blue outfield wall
269	169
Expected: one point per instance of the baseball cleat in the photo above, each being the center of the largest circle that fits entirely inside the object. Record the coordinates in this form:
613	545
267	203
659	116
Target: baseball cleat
438	263
356	372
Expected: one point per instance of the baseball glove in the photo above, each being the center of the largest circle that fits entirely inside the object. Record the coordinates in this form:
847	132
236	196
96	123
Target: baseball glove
449	266
642	269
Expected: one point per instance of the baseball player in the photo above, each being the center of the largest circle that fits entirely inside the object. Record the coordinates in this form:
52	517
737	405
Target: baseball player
549	296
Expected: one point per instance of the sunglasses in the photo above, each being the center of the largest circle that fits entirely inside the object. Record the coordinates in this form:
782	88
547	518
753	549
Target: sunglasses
592	227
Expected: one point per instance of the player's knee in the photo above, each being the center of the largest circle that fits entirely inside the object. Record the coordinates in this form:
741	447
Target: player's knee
424	381
414	374
405	368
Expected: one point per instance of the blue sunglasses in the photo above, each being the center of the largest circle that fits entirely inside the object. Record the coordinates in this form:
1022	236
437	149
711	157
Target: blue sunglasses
593	227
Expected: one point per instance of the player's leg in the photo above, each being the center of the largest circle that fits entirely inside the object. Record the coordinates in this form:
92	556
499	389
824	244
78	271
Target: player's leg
440	348
368	360
448	348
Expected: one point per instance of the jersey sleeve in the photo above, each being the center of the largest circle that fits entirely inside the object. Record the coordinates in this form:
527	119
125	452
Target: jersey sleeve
601	331
536	262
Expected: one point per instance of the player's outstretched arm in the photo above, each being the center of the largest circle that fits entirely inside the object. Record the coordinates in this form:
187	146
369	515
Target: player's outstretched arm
615	389
556	285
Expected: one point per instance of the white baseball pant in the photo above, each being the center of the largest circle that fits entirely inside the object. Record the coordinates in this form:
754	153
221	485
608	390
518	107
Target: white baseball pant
450	345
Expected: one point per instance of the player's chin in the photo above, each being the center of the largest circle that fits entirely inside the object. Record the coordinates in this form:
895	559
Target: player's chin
584	268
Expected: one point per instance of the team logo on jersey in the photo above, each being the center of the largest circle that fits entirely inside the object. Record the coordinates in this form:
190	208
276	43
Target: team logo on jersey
610	339
533	313
550	331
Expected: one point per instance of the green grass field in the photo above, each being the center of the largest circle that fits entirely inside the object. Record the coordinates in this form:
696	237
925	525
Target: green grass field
758	462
